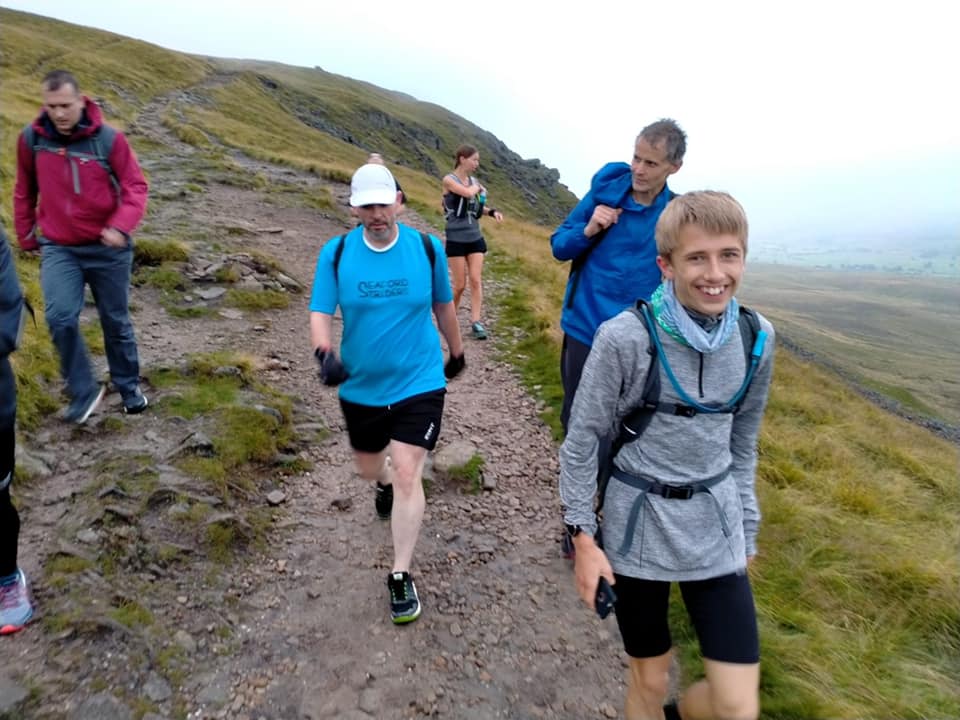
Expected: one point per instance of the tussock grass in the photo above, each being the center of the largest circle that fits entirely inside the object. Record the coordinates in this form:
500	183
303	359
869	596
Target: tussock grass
470	474
167	278
132	614
257	299
157	252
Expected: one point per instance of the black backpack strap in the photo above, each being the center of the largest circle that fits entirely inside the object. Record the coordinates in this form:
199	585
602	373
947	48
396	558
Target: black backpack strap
749	329
632	426
30	136
428	248
749	324
576	265
337	254
102	142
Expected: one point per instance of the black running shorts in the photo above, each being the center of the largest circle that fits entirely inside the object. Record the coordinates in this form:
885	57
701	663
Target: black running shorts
414	420
456	249
721	610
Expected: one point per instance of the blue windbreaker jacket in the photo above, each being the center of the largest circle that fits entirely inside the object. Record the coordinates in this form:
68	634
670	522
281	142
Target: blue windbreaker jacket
623	267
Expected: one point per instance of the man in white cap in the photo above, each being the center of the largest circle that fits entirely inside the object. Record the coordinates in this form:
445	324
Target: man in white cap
386	279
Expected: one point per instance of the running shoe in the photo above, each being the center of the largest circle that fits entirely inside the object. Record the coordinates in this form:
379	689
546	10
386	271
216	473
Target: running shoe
404	601
384	501
135	403
479	333
16	605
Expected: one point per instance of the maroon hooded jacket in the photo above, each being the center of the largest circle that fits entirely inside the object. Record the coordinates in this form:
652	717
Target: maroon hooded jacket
72	201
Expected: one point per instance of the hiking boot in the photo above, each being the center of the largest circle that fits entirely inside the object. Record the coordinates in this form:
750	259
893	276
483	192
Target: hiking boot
479	333
16	606
384	501
404	602
135	403
83	408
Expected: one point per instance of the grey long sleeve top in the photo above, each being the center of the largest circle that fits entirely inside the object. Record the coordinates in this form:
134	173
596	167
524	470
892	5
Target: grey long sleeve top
712	533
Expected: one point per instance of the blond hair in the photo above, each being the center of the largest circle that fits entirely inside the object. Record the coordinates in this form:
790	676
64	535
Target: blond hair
715	212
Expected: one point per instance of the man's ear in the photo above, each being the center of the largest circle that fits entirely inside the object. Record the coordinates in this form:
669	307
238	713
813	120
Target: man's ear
676	167
663	262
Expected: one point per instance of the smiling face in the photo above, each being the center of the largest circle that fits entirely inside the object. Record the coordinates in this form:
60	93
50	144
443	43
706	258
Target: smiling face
64	106
705	268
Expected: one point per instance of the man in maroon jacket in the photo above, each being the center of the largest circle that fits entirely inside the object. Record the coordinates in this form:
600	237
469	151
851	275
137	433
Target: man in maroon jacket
79	196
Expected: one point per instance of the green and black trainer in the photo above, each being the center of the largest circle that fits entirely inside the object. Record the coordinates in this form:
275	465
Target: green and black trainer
404	602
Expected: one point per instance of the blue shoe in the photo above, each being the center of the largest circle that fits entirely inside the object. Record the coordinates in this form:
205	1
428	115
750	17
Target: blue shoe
16	605
80	410
135	403
479	332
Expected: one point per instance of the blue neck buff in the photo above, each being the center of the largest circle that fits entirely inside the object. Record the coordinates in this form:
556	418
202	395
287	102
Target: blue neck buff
677	322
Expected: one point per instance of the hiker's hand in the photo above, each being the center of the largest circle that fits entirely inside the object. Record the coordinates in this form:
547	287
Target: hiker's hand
331	371
454	365
589	565
603	217
111	237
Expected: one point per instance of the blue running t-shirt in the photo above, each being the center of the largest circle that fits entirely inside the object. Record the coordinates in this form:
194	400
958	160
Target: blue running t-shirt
390	346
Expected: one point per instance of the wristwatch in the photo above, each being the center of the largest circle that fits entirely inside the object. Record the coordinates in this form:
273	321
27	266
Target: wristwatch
574	530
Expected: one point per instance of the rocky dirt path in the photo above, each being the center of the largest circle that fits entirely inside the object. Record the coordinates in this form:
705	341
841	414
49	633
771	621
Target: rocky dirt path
299	628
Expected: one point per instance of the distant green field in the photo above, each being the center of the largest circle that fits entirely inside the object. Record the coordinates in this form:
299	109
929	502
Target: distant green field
942	261
894	334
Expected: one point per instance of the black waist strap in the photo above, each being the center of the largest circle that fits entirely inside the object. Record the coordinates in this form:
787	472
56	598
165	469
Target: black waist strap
671	492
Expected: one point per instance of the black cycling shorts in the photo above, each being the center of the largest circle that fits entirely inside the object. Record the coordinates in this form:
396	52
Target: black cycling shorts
414	420
721	610
456	249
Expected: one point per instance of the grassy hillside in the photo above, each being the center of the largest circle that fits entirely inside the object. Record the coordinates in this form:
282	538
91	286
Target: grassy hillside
857	579
893	334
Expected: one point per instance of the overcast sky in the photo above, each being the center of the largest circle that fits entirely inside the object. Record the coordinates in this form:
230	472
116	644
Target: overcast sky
821	117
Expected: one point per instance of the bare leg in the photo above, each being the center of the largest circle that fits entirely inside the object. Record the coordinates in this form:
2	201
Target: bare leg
458	278
408	501
730	691
475	273
647	683
373	466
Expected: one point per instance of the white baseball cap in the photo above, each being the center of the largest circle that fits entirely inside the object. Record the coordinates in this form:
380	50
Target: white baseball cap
372	185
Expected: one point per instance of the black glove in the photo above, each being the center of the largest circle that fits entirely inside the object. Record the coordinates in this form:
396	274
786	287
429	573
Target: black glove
332	371
454	365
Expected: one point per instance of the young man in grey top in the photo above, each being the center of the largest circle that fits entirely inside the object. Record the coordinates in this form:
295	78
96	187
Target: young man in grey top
681	505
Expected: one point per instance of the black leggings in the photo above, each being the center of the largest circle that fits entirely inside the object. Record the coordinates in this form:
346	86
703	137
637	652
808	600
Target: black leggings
573	355
9	519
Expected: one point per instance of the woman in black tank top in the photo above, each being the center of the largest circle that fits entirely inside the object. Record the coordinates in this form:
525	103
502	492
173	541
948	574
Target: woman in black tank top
464	203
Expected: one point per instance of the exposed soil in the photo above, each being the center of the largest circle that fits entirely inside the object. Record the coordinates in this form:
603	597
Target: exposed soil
300	629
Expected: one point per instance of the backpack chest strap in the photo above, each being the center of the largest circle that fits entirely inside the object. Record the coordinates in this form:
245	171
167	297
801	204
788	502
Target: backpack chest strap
664	490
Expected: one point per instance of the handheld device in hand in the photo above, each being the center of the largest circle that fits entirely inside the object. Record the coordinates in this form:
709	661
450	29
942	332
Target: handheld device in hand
606	598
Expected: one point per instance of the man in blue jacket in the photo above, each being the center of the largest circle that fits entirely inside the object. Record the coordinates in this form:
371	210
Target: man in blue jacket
609	238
